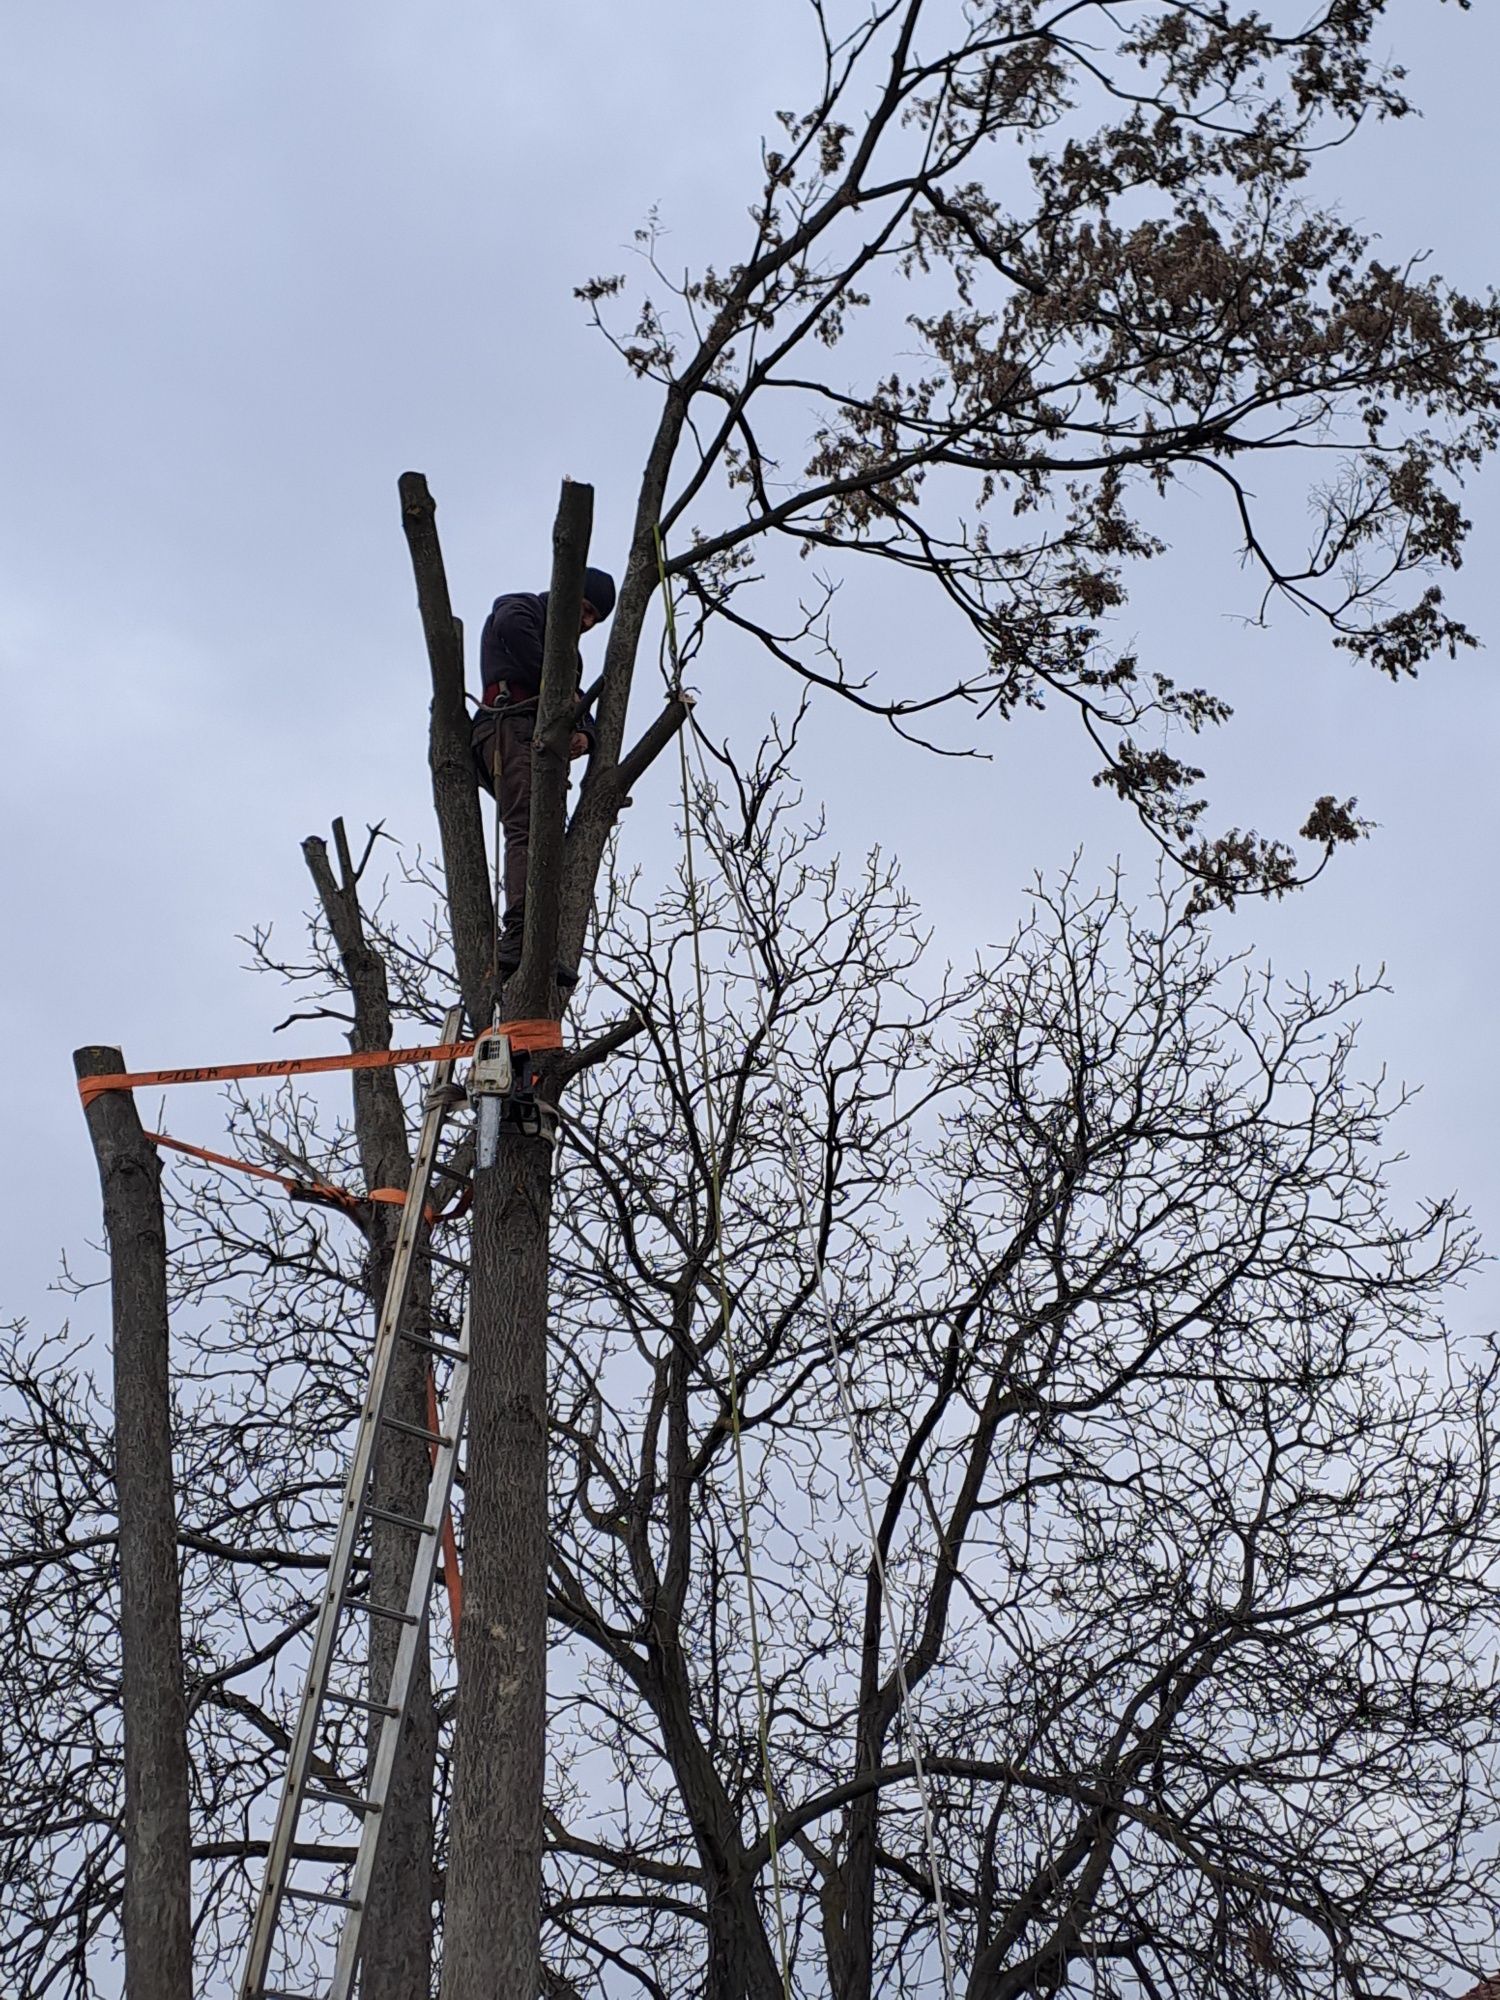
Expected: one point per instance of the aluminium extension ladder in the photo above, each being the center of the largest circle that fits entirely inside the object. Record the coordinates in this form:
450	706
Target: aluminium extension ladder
340	1606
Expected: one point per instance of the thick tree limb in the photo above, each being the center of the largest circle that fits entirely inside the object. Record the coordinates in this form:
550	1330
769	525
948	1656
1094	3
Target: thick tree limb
491	1948
531	991
602	1046
594	821
492	1936
605	803
455	795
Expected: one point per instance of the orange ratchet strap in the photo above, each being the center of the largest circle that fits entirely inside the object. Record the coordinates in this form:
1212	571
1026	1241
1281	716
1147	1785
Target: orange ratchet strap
289	1181
319	1190
524	1036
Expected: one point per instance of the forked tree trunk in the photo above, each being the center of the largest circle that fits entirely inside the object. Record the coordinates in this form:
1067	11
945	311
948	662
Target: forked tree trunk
492	1906
158	1865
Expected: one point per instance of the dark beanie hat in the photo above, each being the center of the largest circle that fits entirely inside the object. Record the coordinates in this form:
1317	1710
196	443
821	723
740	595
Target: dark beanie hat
599	590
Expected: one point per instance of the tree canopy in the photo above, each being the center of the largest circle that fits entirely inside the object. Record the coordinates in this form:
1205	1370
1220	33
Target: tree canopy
1181	1487
1015	273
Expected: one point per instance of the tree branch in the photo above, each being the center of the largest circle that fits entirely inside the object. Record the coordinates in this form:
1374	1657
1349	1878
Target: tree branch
531	991
455	795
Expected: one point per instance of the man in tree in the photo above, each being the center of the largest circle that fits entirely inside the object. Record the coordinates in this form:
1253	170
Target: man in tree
510	660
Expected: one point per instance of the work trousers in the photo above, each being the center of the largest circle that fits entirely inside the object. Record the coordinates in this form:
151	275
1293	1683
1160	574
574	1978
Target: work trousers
506	755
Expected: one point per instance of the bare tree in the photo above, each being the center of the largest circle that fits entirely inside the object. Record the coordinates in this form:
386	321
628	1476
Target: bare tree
1181	1482
1146	293
271	1301
1186	1543
1150	296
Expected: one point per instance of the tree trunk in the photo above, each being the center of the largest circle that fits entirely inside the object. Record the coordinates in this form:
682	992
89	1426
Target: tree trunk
851	1945
492	1948
740	1963
492	1921
397	1937
492	1907
158	1867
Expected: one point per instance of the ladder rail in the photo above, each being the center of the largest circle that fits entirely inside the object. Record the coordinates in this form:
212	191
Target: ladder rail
398	1695
336	1581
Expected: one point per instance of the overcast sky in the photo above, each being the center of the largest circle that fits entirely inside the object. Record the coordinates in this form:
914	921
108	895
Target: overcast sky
262	257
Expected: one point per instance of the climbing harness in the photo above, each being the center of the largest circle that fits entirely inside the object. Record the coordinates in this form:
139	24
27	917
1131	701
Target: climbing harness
906	1710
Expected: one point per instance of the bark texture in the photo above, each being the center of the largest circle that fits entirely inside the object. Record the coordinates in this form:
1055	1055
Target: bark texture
158	1869
491	1948
492	1920
397	1938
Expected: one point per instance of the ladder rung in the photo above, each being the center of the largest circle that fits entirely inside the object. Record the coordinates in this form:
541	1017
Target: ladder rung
380	1610
442	1347
415	1430
318	1896
399	1520
359	1701
313	1792
350	1801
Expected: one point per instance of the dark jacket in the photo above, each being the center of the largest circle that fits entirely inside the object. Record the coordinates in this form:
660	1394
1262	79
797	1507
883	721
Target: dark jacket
510	663
510	649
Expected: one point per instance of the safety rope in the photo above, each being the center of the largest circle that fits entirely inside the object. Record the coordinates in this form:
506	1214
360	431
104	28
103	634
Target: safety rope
906	1709
731	1356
